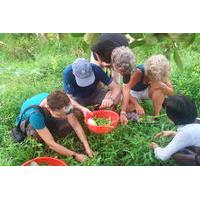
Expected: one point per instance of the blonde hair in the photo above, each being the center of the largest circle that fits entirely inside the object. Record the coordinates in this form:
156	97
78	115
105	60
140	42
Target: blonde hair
124	59
157	68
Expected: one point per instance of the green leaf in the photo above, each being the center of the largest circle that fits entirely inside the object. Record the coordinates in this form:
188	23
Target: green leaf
177	59
136	35
2	44
175	36
77	34
191	39
137	43
151	39
91	38
185	38
82	44
161	36
167	52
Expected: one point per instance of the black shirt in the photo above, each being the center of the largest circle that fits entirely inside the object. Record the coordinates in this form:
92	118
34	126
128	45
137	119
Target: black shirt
107	43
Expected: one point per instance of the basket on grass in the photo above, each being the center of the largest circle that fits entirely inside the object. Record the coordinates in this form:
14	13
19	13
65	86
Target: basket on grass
109	115
45	161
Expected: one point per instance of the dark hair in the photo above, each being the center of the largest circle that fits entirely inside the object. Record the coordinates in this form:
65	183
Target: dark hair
104	50
57	100
108	42
180	109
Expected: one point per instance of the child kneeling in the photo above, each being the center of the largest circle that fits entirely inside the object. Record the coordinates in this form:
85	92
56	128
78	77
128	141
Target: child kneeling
185	146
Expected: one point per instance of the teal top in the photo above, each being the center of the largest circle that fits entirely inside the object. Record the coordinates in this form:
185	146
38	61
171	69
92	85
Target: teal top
36	120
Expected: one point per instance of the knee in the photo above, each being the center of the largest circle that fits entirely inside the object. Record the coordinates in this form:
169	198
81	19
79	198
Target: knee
157	94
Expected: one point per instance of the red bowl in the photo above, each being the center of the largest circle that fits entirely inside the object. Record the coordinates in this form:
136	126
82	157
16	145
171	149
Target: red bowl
106	114
49	161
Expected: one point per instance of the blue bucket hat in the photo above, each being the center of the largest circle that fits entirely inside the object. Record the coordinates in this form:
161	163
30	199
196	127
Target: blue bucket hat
83	72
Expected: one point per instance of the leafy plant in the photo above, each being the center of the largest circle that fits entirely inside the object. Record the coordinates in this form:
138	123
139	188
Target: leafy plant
171	41
102	121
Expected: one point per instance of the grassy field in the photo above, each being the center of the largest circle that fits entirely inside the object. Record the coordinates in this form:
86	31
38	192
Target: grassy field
29	66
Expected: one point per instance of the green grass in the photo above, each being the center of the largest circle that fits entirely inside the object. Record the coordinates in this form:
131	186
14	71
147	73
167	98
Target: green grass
24	73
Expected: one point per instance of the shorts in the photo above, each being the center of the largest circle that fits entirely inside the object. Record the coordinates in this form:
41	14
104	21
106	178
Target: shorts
144	94
95	98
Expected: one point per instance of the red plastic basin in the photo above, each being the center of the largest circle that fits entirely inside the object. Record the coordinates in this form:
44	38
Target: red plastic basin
106	114
49	161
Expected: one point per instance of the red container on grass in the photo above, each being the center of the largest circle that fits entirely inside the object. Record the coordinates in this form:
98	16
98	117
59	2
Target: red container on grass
49	161
106	114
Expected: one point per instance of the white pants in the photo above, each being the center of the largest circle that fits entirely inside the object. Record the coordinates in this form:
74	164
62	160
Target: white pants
144	94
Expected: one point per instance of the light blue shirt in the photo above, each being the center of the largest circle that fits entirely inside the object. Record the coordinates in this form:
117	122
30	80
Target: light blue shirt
186	136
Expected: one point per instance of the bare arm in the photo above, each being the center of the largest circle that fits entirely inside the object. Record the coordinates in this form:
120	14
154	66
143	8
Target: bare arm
115	90
49	140
166	88
166	134
126	95
127	87
78	106
75	103
80	133
116	76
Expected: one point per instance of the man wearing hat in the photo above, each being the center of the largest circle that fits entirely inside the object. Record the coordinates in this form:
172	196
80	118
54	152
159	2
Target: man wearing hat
81	81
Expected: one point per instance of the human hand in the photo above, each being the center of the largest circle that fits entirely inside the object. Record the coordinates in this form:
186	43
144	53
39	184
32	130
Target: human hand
165	134
158	85
104	64
80	157
163	86
106	103
153	145
123	119
89	152
85	111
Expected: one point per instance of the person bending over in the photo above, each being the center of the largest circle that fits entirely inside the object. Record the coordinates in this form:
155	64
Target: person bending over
81	80
47	116
147	81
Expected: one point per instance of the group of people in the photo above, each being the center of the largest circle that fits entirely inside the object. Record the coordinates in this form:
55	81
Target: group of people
87	83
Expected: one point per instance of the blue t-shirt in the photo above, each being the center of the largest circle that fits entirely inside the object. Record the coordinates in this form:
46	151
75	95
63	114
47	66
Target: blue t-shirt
140	86
71	87
36	120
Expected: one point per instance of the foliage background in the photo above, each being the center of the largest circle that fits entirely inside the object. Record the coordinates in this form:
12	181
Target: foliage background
30	64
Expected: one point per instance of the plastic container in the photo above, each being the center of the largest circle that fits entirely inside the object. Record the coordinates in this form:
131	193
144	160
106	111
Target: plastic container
49	161
106	114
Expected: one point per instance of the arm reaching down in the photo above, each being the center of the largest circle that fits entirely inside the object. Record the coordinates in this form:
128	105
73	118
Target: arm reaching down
126	94
179	142
80	133
49	140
